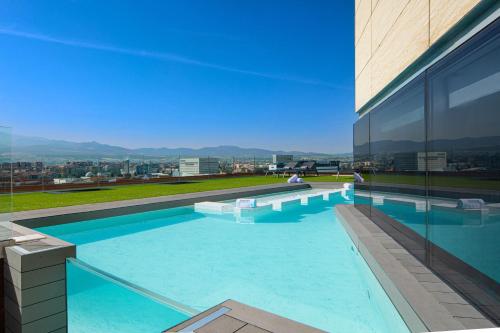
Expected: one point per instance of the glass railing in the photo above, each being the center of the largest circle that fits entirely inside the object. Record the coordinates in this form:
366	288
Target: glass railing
36	170
100	302
5	183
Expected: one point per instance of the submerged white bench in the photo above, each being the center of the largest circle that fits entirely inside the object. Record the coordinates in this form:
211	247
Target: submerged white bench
310	198
249	215
280	204
213	207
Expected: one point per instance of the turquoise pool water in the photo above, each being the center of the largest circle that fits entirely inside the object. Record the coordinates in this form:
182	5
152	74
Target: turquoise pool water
299	263
96	304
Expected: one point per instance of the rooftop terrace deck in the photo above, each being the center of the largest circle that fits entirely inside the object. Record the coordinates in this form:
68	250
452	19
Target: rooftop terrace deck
234	317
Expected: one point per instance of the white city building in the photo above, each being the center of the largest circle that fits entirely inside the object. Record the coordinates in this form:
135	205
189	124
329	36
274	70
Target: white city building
198	166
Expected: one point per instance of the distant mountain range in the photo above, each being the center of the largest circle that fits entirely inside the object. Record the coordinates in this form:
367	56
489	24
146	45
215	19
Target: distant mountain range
29	148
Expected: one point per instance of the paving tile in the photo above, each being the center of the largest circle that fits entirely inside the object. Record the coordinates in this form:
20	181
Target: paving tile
396	250
437	286
251	329
223	324
391	244
407	262
381	235
474	323
266	320
417	269
463	310
426	277
403	256
449	298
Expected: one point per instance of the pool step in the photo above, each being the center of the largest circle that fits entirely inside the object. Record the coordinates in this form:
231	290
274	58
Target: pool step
213	207
311	198
248	215
281	204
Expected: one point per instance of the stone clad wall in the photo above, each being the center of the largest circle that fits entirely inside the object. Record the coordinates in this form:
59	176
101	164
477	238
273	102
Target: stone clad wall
391	34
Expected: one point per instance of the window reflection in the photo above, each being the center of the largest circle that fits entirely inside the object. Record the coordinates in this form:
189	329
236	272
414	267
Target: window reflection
464	126
362	162
434	170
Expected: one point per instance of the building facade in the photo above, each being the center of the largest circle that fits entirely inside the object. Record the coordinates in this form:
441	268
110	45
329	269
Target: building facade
282	159
428	135
198	166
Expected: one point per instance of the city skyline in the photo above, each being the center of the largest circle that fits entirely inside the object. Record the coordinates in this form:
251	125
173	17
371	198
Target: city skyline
180	75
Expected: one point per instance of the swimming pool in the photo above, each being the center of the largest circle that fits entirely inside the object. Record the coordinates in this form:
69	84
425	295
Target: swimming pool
298	263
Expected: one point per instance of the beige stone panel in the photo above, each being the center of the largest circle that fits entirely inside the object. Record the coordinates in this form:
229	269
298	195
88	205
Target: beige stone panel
374	4
356	4
403	44
363	50
361	19
363	87
383	18
445	13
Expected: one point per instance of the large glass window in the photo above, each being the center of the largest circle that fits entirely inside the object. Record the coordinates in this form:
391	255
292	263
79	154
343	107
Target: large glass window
361	165
397	148
464	143
433	168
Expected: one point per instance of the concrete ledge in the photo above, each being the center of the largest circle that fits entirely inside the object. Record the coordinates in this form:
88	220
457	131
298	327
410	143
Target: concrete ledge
54	216
423	300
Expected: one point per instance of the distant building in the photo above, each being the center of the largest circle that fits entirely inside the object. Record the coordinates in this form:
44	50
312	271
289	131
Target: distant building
198	166
327	167
60	181
408	161
141	169
436	161
282	159
126	168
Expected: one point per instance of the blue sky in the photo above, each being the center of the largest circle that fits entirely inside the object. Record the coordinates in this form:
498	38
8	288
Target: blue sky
267	74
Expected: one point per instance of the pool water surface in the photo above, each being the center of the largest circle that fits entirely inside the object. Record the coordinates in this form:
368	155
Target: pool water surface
298	263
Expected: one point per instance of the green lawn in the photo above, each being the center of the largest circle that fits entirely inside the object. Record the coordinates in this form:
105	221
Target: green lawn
40	200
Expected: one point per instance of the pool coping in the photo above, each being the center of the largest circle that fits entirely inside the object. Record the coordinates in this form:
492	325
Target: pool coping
424	301
62	215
